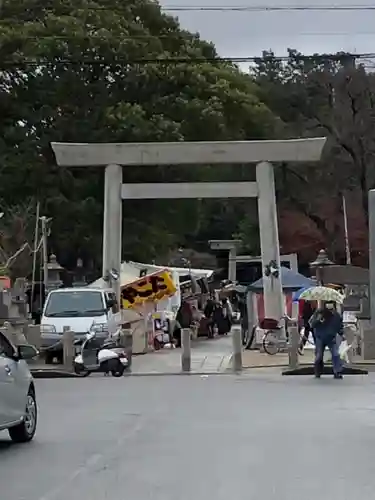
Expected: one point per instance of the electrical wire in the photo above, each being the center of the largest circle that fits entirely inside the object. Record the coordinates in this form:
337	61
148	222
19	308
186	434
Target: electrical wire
169	37
267	8
228	8
236	8
119	61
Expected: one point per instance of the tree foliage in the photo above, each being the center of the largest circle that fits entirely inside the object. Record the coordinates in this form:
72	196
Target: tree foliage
111	71
86	71
334	97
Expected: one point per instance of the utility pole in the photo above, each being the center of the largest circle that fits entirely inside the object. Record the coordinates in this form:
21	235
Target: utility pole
44	222
346	232
36	237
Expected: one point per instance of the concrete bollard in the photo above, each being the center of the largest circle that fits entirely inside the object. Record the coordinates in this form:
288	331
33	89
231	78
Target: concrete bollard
186	350
9	332
68	348
33	336
294	340
237	350
127	344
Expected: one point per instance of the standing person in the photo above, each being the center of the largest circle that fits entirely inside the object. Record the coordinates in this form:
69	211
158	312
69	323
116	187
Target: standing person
209	313
326	324
227	316
217	318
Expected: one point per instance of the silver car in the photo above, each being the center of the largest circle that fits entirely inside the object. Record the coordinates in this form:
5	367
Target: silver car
18	409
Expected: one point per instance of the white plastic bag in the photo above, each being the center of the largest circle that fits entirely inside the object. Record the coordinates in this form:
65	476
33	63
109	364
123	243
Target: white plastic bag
343	351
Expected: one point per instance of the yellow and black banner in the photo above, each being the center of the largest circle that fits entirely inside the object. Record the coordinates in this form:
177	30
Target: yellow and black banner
153	287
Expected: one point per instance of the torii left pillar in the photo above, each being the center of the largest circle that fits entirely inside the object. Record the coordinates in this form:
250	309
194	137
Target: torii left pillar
112	223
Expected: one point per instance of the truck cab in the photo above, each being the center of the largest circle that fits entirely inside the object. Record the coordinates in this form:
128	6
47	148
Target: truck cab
78	309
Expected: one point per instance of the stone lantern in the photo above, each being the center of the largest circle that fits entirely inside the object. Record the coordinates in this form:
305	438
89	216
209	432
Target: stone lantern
319	264
79	275
54	273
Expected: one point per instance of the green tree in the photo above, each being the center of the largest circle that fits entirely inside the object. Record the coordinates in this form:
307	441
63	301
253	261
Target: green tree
86	71
331	96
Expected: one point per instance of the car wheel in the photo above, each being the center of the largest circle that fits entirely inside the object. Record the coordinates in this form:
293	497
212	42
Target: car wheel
24	432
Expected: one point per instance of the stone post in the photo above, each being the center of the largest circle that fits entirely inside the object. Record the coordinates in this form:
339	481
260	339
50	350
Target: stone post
186	350
68	348
294	340
33	335
232	265
237	350
127	344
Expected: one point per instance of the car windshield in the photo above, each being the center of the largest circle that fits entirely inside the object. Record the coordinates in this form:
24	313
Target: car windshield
74	304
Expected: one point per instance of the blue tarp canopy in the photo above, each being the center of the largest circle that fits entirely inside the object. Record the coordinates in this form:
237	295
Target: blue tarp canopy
297	294
290	280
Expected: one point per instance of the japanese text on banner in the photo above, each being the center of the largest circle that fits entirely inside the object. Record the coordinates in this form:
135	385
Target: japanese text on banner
153	287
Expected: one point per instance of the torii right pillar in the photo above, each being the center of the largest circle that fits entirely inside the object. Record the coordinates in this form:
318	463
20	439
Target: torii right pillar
269	240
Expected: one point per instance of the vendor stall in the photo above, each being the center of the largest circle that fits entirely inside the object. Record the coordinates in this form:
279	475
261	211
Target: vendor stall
144	295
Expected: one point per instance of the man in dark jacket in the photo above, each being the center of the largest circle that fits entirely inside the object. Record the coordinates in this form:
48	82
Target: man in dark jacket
326	324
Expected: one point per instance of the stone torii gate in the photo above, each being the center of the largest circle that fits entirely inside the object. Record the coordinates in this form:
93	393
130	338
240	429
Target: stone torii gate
114	156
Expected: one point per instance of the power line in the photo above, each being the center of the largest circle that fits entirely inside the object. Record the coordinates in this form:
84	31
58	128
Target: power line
230	8
186	60
251	8
269	8
171	37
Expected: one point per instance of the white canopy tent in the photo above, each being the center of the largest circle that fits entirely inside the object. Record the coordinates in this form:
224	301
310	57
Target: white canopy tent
181	271
130	272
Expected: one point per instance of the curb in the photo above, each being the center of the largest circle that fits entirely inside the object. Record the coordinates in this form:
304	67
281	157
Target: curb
173	374
53	374
302	370
37	374
255	367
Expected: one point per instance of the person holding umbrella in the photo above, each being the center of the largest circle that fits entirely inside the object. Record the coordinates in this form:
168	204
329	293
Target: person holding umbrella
326	324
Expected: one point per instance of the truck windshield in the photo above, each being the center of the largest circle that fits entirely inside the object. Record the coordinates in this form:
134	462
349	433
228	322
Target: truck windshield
74	303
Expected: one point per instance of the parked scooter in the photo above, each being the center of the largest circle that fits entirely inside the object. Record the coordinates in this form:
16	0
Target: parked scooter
96	356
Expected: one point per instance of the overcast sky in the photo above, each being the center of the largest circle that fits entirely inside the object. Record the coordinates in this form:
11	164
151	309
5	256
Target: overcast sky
242	34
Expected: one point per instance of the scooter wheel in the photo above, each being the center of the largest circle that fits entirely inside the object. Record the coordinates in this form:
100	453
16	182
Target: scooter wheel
81	371
119	370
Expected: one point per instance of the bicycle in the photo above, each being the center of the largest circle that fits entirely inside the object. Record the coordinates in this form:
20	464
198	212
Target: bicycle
271	341
248	336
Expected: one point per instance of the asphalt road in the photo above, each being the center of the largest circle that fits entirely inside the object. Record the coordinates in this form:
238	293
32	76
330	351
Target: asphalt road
257	437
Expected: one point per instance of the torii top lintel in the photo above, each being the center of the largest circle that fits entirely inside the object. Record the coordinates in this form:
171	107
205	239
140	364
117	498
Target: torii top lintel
184	153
